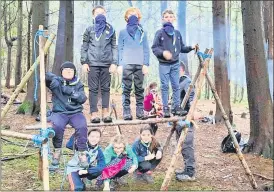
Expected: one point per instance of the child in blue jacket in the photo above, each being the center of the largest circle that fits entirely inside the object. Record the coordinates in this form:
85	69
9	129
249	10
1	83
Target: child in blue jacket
96	161
149	154
133	59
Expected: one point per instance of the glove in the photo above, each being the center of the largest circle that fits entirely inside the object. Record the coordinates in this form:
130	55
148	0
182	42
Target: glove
67	90
54	83
112	68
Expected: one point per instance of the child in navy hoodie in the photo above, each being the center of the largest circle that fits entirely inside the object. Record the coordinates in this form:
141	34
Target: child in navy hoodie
133	60
167	46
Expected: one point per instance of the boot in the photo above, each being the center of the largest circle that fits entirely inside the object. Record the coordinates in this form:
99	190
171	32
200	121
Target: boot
105	116
83	160
127	114
95	118
178	111
56	156
140	113
166	112
187	175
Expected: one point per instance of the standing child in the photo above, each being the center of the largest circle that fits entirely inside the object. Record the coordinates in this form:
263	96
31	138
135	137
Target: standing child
96	163
67	98
133	54
120	160
167	46
149	154
99	59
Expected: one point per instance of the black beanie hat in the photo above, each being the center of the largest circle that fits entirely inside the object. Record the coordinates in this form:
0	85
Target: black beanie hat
68	64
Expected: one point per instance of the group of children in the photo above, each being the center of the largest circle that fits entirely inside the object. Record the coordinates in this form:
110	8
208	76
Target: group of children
100	57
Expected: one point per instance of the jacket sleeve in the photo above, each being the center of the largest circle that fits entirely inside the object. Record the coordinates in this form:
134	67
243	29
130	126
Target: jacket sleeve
100	163
79	96
108	154
136	149
49	77
146	50
114	49
184	49
184	87
84	48
156	47
132	155
120	48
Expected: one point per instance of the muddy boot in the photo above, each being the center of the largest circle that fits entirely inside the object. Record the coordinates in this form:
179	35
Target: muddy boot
106	118
56	157
83	160
127	114
178	111
140	113
187	175
166	112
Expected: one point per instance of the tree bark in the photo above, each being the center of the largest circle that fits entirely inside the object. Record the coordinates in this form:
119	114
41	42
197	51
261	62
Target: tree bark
236	59
39	17
220	55
29	36
70	30
259	101
163	6
18	68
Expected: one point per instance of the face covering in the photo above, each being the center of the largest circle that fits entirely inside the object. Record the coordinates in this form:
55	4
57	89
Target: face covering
168	28
100	25
132	25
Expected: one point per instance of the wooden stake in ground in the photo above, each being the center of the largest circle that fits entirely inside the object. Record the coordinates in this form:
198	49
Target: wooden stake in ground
43	110
118	128
26	78
178	149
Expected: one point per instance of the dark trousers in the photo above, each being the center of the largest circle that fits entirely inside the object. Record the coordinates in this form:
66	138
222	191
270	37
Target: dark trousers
145	166
188	146
98	76
133	72
75	180
77	121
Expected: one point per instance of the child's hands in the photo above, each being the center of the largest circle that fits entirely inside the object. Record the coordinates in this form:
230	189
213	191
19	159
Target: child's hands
120	69
167	55
145	69
85	68
112	68
150	156
158	155
83	172
195	47
54	83
132	169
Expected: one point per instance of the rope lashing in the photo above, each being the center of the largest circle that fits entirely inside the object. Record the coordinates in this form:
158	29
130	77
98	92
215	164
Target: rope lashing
203	55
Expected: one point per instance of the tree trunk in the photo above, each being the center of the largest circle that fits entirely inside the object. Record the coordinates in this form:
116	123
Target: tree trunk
70	30
1	61
220	54
29	36
182	28
39	17
163	6
18	68
236	59
259	101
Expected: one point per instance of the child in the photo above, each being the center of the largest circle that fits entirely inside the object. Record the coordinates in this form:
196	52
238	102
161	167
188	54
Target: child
67	98
99	59
120	160
133	54
96	161
167	46
152	104
149	154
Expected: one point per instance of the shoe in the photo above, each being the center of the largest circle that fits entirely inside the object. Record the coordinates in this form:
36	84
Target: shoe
127	114
83	160
121	181
182	177
112	185
95	120
178	111
166	112
107	119
186	175
137	176
140	113
148	178
56	157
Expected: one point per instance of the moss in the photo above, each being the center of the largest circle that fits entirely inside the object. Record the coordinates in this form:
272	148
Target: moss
25	108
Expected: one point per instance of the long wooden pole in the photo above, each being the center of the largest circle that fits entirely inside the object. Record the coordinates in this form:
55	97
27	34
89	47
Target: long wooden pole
179	146
26	78
43	110
184	102
119	122
19	135
231	132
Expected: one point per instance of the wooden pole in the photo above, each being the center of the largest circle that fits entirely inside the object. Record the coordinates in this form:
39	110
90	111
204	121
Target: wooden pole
179	146
231	132
184	102
118	128
19	135
43	109
119	122
26	78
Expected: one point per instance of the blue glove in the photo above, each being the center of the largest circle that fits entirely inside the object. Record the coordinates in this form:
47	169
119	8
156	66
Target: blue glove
54	83
67	90
184	123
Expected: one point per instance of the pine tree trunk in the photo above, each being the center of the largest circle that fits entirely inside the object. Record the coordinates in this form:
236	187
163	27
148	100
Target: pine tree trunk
259	101
18	68
220	54
236	60
70	30
163	6
29	36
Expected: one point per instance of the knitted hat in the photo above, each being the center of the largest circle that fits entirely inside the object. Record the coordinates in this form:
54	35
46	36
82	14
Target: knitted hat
68	64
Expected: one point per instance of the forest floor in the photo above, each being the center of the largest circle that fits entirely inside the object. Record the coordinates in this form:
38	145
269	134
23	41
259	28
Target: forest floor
215	170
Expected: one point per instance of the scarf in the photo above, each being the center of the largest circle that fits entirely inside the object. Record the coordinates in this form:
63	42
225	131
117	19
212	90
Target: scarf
168	28
132	25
